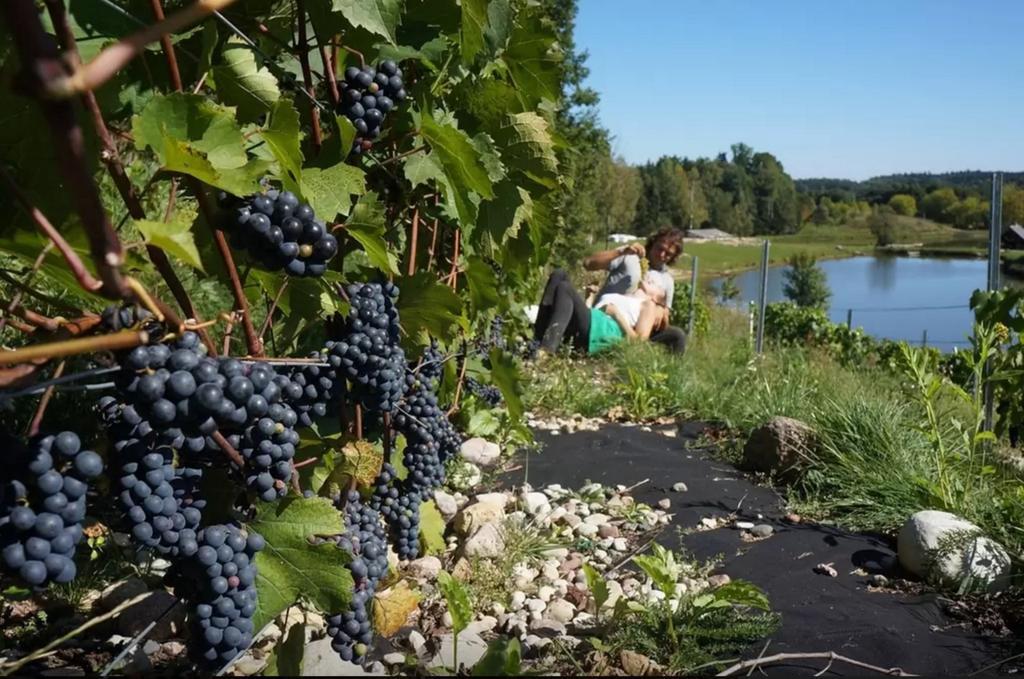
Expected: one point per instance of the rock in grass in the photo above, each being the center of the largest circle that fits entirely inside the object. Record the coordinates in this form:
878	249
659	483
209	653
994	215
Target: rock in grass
778	447
953	551
480	452
487	541
762	530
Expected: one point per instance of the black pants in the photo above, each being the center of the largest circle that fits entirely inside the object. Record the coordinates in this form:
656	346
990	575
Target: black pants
562	312
672	338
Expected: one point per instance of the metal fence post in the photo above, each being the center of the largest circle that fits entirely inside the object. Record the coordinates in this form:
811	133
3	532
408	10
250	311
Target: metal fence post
995	234
849	319
764	298
924	338
693	296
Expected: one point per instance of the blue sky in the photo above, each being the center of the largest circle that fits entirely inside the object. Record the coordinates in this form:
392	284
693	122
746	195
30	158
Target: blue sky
837	88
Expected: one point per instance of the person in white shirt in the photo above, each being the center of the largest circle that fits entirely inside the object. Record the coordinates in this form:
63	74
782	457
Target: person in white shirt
625	280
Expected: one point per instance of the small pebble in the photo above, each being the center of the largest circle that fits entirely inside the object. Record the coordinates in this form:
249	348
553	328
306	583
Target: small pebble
744	525
762	530
878	580
680	487
664	504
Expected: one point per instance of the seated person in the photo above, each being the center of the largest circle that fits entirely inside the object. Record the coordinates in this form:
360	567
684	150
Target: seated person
563	314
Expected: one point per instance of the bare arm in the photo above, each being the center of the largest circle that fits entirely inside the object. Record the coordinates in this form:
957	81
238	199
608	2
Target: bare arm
617	316
651	317
600	260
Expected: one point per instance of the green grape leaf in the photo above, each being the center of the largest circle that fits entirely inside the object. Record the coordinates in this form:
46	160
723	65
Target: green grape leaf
503	658
243	83
499	24
422	168
483	423
490	157
474	23
426	304
329	190
483	285
431	529
290	567
506	377
742	593
192	135
398	458
457	598
283	136
173	237
376	16
596	584
286	658
534	60
338	146
366	226
465	173
501	217
527	146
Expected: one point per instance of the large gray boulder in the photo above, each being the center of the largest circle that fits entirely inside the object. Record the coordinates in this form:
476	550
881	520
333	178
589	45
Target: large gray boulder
943	547
778	448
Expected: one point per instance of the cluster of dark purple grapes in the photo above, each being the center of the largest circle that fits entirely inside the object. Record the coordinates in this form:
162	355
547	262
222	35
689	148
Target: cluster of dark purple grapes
162	502
368	354
280	233
42	505
185	397
430	441
366	540
117	318
488	393
495	337
219	580
369	94
320	387
432	364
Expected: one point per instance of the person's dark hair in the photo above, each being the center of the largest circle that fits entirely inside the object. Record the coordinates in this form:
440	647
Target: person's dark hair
670	233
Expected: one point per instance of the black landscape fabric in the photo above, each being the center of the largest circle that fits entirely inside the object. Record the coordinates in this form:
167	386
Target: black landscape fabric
819	613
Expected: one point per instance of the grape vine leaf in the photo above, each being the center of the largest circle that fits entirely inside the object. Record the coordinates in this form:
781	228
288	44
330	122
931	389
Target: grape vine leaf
329	190
501	217
362	461
377	16
192	135
483	285
527	145
499	24
506	377
338	146
391	608
483	423
286	658
534	60
462	165
425	304
173	237
243	83
366	226
431	529
398	458
490	157
290	567
474	23
283	137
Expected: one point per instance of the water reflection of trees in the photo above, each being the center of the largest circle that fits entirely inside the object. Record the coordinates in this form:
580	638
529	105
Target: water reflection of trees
882	273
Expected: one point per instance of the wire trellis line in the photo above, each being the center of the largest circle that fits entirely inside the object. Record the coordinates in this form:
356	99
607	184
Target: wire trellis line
907	308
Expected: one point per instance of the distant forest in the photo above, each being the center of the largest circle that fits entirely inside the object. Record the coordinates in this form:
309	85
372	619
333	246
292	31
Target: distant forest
917	184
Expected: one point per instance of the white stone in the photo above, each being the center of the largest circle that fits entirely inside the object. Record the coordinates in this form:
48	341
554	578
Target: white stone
550	573
536	605
534	642
484	624
471	649
556	552
446	504
561	610
664	504
555	515
486	542
425	568
498	609
571	520
587	530
320	660
394	659
620	544
969	556
655	595
597	519
548	627
545	592
471	517
600	555
518	600
535	503
583	619
480	452
494	498
418	643
744	525
680	487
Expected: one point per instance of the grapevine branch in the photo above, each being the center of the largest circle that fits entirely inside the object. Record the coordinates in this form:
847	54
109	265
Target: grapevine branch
253	342
37	418
831	656
413	237
83	345
332	80
453	277
307	75
168	46
107	63
229	450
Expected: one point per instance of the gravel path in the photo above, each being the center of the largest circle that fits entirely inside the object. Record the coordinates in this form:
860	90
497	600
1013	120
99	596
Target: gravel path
819	613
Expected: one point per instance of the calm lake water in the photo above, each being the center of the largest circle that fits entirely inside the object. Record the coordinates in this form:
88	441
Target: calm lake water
893	297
